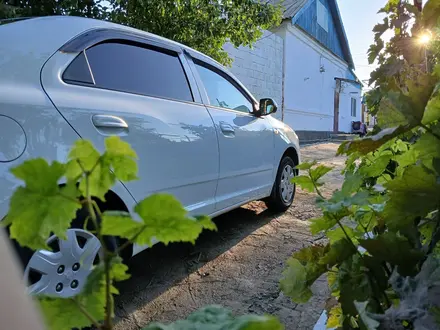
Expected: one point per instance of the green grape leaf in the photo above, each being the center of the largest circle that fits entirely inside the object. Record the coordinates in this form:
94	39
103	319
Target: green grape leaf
335	317
396	109
82	152
337	234
432	111
65	314
353	284
352	183
384	178
302	270
371	143
411	195
122	158
409	157
399	145
218	318
376	267
339	251
350	163
367	217
338	205
427	147
41	207
84	157
305	165
406	109
369	323
304	182
381	28
377	166
294	281
323	223
436	165
332	280
430	14
165	220
120	224
96	279
395	250
118	270
319	171
374	50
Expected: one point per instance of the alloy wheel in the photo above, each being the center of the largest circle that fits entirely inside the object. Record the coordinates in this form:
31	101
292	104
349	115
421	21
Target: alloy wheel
287	188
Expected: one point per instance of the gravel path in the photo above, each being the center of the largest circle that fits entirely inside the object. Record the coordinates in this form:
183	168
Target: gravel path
238	267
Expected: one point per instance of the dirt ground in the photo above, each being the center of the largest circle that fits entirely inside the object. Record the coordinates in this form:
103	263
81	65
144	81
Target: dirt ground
239	266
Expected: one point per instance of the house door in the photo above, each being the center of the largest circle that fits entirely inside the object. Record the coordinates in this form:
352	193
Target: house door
336	107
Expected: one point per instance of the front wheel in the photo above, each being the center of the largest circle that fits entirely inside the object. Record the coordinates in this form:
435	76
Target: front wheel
283	191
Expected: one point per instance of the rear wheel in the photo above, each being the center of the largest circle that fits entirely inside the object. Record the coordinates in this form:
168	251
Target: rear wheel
283	191
63	270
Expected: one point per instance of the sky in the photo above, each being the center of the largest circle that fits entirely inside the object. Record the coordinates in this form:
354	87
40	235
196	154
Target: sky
359	18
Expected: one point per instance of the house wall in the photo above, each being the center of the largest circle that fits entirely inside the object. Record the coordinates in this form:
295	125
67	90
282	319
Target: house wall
309	93
260	68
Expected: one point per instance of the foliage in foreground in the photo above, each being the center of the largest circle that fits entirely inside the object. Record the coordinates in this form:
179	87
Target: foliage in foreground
383	225
42	206
218	318
200	24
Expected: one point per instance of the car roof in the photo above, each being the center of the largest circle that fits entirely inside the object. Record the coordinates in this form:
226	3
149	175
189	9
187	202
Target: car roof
43	36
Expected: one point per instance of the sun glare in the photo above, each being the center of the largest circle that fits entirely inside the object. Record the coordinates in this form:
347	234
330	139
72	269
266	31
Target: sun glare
425	38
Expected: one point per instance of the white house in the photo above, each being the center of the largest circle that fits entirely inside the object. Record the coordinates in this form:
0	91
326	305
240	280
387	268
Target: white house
306	66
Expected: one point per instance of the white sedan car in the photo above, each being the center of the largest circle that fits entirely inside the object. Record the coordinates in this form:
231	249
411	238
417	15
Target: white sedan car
198	132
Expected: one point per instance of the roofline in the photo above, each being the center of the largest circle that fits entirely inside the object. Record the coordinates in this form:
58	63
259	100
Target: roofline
295	17
322	45
341	30
344	34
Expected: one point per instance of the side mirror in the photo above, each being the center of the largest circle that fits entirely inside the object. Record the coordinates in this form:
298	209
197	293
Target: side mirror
267	106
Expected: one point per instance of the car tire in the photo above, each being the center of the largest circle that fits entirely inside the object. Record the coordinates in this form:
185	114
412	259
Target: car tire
283	191
63	274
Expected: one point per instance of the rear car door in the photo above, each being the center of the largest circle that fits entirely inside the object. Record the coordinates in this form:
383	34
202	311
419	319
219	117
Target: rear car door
138	88
246	142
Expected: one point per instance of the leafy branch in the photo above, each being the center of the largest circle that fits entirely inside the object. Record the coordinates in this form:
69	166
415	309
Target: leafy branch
388	204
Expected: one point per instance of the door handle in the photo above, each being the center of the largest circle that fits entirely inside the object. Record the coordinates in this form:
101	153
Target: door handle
106	121
227	128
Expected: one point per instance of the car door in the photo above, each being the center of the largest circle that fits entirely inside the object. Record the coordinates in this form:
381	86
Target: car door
139	90
246	142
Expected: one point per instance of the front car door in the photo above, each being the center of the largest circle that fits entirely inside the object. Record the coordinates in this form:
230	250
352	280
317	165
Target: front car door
139	89
246	142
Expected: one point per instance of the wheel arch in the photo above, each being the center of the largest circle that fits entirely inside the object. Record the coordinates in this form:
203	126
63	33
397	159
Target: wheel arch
115	203
293	154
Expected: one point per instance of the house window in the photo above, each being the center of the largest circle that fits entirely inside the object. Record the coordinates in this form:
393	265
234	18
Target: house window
353	107
322	15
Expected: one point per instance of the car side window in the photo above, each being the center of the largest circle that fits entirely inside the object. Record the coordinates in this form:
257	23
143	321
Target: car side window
133	68
221	92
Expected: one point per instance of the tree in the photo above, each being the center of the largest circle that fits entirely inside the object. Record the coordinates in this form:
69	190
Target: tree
32	8
205	25
202	24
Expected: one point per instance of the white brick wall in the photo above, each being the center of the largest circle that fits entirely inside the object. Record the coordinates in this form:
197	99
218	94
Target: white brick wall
260	69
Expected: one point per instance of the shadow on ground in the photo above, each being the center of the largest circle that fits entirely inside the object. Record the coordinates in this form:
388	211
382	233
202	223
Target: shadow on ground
156	269
239	266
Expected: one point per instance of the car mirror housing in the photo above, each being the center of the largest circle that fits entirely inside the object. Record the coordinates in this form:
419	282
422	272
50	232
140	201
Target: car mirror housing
267	107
